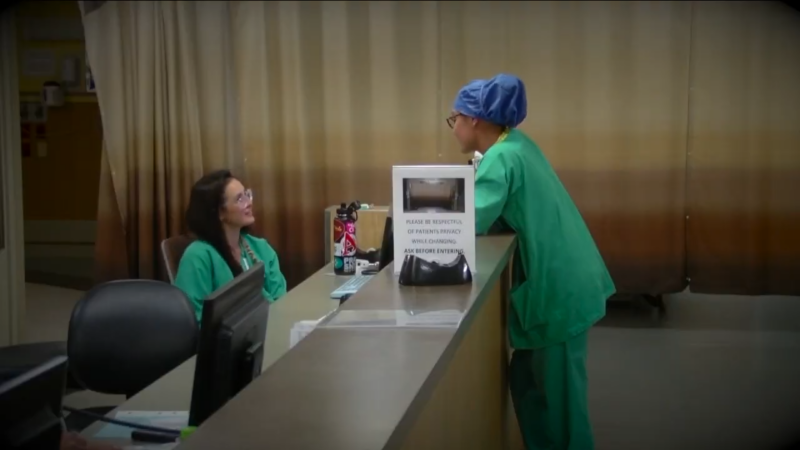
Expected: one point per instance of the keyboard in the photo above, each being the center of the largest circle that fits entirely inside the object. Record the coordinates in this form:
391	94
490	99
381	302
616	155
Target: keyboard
351	286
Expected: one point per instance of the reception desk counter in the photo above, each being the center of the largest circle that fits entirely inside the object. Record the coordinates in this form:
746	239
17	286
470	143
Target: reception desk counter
393	368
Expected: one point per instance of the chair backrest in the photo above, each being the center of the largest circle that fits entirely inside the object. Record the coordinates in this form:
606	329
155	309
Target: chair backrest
172	250
124	335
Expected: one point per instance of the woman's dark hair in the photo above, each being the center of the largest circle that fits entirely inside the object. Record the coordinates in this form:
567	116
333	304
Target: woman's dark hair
202	215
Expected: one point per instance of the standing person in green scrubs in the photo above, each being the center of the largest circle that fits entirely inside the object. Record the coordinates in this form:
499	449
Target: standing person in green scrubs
559	283
219	214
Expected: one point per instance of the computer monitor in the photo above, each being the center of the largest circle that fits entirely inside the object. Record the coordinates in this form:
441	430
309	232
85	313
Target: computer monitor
387	244
30	407
231	350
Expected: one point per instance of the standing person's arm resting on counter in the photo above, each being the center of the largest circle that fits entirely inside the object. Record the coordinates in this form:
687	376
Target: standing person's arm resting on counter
219	214
492	185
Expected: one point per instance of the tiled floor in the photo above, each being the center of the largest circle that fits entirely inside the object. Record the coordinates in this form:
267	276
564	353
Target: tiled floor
717	372
47	312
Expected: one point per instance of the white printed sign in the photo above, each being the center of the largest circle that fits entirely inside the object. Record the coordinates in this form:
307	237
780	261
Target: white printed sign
433	213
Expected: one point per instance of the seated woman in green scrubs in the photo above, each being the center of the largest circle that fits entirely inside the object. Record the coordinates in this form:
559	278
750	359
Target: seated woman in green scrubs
220	210
559	282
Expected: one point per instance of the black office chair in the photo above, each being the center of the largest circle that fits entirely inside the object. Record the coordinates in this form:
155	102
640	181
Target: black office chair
172	251
124	335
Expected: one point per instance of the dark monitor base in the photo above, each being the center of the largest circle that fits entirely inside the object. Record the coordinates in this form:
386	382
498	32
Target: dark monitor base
251	365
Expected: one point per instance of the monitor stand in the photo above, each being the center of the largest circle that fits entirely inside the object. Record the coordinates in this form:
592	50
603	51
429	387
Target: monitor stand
252	361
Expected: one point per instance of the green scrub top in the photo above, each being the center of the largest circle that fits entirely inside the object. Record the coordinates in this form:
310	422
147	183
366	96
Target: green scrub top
560	283
202	270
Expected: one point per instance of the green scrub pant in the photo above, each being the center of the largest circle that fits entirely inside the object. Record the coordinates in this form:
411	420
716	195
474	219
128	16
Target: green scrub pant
548	388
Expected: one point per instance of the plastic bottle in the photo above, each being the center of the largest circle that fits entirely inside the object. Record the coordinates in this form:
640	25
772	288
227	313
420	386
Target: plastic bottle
344	239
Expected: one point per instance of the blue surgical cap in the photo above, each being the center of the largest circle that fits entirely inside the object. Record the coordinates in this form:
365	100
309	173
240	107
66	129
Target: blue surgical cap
499	100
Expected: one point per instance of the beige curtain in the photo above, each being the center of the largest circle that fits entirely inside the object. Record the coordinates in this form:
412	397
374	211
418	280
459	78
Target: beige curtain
313	102
744	164
332	94
163	72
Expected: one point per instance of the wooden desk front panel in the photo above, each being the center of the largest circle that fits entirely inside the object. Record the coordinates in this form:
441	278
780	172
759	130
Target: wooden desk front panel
471	408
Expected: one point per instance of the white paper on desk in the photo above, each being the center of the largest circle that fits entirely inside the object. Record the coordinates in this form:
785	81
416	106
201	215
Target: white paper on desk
363	318
394	318
300	330
173	420
449	318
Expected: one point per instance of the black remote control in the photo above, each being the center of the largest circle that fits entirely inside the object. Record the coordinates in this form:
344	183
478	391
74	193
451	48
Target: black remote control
153	437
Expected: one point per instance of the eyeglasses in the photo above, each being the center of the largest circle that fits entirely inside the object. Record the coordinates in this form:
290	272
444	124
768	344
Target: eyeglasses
244	198
451	121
